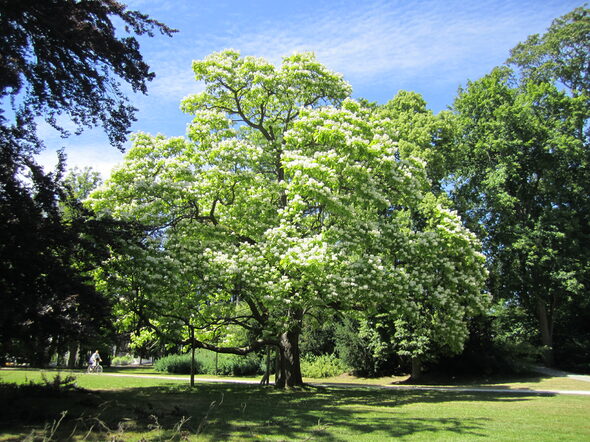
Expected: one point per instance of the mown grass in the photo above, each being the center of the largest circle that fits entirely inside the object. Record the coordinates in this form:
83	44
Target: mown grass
531	381
136	408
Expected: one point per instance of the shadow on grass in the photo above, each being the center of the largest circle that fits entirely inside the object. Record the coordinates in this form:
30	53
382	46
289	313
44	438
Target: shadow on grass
466	380
222	412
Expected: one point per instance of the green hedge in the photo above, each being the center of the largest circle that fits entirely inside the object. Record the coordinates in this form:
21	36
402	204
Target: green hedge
234	365
177	364
323	366
229	365
122	360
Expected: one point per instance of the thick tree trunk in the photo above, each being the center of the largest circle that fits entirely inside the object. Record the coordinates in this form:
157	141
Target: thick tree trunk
192	331
546	328
288	373
73	356
266	378
39	353
416	368
61	359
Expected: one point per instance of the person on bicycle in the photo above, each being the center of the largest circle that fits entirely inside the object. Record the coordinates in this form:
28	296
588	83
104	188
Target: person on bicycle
95	359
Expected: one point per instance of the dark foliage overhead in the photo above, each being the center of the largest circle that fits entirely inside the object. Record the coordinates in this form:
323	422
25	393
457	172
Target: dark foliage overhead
65	57
59	58
48	244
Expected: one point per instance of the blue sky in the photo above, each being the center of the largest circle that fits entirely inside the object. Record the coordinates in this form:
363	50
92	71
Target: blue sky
381	46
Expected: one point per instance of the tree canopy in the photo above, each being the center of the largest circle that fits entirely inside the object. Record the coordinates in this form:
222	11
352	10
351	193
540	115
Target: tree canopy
288	198
561	54
523	180
64	57
48	248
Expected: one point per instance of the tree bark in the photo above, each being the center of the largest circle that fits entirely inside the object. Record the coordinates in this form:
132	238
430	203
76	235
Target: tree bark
73	356
266	378
416	368
192	331
546	328
288	373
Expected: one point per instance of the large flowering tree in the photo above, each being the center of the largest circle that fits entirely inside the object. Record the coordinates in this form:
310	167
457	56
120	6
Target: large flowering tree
286	198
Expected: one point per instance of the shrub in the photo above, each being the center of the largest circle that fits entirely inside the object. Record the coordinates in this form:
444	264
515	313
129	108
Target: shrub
228	364
357	351
241	365
318	335
177	364
498	343
122	360
323	366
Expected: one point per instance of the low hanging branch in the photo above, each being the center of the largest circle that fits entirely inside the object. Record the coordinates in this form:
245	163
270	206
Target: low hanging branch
257	345
254	346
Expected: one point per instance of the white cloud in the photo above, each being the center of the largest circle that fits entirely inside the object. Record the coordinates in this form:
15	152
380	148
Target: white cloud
379	45
174	82
400	40
91	149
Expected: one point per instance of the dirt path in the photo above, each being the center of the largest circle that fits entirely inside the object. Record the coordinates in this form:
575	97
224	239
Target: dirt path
561	374
391	387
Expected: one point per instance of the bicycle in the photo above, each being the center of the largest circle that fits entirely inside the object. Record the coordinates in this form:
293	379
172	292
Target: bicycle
94	369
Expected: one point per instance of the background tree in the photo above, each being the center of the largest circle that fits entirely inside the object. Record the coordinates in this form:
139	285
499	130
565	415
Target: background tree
81	182
63	57
524	185
421	134
59	59
278	205
561	54
47	249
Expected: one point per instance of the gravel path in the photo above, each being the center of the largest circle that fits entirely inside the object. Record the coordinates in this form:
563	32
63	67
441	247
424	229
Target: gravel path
561	374
391	387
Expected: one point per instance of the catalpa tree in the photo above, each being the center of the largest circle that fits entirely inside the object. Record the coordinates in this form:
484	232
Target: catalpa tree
285	198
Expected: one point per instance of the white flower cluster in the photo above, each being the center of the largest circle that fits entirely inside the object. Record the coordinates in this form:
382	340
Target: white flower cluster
340	224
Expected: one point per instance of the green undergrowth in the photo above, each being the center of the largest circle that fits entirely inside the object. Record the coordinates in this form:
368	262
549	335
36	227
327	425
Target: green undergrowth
210	363
323	366
160	409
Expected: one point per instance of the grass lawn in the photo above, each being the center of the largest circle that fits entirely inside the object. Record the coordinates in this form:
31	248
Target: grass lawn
530	381
136	408
527	381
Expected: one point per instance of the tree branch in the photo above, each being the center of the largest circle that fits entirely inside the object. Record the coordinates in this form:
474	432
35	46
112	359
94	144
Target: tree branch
235	350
